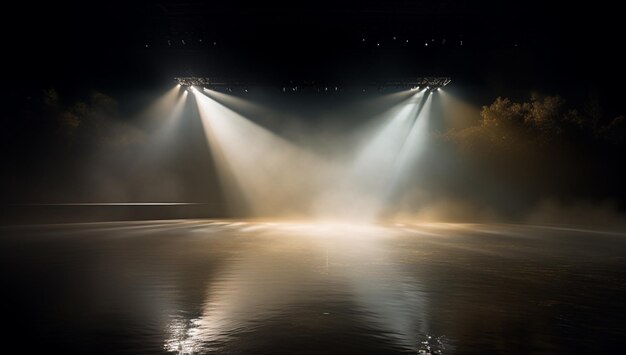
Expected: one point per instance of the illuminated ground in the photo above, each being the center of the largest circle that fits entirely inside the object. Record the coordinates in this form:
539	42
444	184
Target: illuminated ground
241	287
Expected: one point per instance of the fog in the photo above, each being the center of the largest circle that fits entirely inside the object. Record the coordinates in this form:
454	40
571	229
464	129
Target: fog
395	156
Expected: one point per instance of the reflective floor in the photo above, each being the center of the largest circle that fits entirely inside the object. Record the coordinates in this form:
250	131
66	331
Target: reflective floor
195	286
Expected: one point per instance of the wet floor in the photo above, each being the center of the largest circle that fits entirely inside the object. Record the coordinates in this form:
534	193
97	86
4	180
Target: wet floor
187	287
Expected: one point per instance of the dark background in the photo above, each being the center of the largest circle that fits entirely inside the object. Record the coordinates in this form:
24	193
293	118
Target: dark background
131	50
507	46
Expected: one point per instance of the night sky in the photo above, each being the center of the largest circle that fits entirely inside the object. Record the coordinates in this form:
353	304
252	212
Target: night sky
126	53
507	48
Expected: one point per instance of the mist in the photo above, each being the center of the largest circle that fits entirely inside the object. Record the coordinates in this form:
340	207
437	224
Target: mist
410	156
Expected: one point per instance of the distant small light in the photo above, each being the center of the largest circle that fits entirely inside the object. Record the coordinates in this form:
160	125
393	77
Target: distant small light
407	41
363	40
363	90
146	46
461	43
183	41
169	43
215	43
200	40
377	44
326	89
284	89
246	90
426	44
438	89
394	38
433	40
336	88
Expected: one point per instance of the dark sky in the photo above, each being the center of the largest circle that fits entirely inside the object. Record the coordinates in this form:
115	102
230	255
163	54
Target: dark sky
509	47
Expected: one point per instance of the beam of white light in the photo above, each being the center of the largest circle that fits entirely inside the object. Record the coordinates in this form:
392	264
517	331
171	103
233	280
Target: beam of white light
174	115
164	136
457	113
237	102
272	175
360	194
159	110
413	146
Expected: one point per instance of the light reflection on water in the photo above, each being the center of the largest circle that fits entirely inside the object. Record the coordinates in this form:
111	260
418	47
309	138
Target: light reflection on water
190	287
267	279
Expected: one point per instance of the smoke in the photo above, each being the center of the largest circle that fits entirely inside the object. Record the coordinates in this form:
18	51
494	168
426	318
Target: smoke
408	156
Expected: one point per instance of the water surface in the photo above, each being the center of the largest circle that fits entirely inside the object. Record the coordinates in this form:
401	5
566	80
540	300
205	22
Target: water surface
198	286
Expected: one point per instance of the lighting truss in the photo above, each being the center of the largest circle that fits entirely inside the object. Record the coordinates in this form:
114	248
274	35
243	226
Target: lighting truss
431	82
192	81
